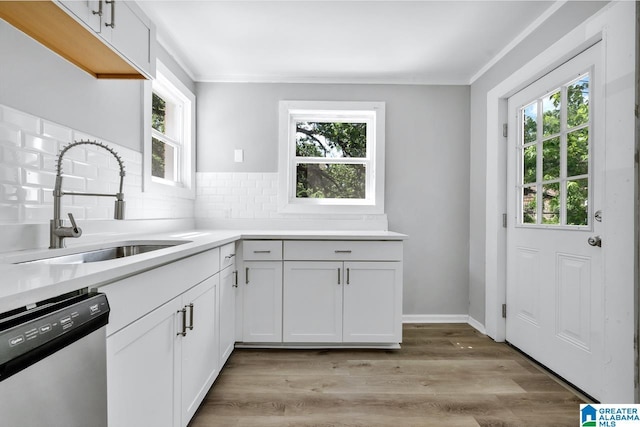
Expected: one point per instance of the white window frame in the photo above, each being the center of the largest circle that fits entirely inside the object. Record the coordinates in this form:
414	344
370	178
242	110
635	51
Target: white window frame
372	113
166	84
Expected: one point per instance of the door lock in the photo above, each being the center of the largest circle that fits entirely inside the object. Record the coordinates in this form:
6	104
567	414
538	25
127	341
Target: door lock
595	241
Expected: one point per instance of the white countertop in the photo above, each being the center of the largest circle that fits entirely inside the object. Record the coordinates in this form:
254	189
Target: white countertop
24	284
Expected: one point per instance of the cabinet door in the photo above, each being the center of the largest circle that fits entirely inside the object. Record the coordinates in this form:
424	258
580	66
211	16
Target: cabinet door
312	309
132	34
372	302
262	313
199	345
142	370
87	11
227	312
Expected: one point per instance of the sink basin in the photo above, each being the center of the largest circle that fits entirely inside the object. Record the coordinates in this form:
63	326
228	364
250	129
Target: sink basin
105	254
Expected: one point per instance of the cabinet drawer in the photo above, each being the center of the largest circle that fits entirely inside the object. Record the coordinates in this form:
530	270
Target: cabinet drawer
227	255
135	296
347	250
262	250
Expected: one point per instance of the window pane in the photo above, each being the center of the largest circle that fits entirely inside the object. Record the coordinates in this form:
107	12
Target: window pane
551	203
158	113
578	152
529	123
551	114
330	181
162	160
529	162
529	203
578	202
578	102
551	159
334	140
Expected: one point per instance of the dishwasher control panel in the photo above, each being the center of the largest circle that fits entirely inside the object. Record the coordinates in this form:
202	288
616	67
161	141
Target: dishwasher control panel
34	329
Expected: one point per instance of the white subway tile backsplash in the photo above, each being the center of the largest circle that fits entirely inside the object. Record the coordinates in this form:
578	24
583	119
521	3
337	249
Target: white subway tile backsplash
38	177
29	147
9	134
55	131
10	174
38	143
21	120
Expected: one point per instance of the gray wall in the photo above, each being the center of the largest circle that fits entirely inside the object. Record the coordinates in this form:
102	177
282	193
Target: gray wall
427	168
570	15
37	81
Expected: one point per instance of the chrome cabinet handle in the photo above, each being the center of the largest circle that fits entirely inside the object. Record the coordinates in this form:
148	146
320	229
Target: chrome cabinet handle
99	11
235	284
112	24
338	251
261	252
348	276
246	275
339	274
184	322
190	317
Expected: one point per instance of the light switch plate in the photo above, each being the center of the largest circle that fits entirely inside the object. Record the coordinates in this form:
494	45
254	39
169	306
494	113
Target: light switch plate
238	155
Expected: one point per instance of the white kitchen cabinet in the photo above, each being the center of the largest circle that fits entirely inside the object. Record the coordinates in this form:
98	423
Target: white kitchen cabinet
143	369
358	300
81	31
132	34
162	342
199	345
372	302
262	311
312	302
227	302
86	11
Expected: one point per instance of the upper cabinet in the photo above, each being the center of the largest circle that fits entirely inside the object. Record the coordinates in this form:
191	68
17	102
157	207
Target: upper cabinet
106	38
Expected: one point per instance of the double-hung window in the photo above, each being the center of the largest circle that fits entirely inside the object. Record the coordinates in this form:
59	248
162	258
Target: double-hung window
331	157
169	163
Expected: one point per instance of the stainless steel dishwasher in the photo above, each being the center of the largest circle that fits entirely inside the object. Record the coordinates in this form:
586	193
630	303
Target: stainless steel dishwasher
53	363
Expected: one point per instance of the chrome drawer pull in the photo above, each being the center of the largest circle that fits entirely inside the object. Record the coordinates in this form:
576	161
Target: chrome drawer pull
339	274
261	252
348	276
190	317
184	322
246	275
348	251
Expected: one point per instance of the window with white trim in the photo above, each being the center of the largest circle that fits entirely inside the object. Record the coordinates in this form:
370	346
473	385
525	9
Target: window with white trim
169	147
332	157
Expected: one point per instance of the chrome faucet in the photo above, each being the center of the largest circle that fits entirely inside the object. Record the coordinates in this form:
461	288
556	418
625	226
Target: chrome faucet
58	230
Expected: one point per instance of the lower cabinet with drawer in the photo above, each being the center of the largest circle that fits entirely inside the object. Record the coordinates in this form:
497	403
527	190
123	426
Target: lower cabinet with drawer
162	356
317	292
262	291
342	292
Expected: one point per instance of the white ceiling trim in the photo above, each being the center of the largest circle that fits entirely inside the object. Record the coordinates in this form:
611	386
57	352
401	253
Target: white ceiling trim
519	38
327	80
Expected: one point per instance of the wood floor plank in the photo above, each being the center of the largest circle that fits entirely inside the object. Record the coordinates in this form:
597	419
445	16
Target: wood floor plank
447	375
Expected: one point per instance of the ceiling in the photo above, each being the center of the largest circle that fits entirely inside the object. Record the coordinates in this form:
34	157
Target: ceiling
342	41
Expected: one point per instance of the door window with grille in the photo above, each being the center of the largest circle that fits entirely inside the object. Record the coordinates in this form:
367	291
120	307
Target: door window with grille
554	179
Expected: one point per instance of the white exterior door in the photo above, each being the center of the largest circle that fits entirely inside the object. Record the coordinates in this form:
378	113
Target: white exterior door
555	309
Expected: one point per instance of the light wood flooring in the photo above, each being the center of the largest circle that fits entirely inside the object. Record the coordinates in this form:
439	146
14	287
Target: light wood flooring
444	375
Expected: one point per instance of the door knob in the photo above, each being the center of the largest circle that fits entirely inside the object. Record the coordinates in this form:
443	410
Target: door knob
595	241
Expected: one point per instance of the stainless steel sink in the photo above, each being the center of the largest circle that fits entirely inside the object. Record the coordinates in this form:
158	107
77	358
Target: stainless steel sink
104	254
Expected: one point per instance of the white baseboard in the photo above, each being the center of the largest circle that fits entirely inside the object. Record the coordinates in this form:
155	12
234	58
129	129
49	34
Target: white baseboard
444	318
435	318
477	325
